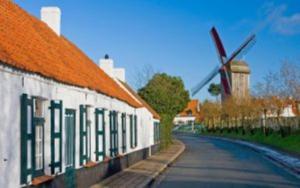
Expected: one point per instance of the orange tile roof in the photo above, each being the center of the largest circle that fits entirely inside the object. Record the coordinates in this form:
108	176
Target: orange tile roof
28	44
142	101
192	106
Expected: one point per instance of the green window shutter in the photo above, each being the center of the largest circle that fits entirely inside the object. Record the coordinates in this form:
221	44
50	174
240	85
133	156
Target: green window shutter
135	131
56	135
26	135
116	126
111	133
83	135
114	150
131	131
100	133
124	133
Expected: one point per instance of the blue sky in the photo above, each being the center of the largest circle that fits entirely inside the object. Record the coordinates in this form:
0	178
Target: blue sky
173	35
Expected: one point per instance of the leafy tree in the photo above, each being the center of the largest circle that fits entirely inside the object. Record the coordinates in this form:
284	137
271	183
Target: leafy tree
167	95
214	89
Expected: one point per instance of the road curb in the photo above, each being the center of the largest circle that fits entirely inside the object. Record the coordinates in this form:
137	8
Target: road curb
151	179
290	163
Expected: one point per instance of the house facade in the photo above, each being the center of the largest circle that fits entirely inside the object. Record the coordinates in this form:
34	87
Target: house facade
64	121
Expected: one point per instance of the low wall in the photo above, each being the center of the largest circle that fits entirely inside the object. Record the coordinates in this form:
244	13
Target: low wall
85	177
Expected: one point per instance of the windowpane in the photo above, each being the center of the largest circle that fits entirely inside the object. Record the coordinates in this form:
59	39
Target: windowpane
29	154
88	139
100	123
38	147
69	145
38	107
56	146
84	123
56	120
29	119
84	145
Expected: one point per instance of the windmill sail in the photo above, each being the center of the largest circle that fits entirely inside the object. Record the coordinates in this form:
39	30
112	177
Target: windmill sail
250	41
219	45
207	79
225	82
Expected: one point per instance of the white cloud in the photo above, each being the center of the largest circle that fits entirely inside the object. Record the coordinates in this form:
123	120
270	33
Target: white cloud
288	24
278	20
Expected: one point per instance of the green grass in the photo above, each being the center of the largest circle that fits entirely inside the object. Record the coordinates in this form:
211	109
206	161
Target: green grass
289	143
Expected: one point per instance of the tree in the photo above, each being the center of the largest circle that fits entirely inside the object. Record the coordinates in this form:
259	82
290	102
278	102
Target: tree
214	89
167	95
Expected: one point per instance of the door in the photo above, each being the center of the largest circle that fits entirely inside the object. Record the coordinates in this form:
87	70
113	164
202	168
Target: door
70	147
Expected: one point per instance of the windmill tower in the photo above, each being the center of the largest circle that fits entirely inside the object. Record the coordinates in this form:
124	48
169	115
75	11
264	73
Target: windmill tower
239	75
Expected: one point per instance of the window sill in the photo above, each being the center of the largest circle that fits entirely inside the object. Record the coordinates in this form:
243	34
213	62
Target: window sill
107	159
120	156
90	164
41	179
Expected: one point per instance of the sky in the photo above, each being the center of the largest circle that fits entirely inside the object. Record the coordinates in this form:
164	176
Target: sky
172	36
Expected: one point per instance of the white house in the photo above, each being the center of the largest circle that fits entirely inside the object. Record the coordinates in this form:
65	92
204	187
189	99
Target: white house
64	121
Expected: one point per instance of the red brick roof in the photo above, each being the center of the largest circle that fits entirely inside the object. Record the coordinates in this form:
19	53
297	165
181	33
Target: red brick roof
28	44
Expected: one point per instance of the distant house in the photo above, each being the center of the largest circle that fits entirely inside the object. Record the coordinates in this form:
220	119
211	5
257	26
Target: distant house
290	108
64	121
189	115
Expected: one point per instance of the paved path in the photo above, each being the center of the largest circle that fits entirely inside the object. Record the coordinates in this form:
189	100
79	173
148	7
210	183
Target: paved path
209	162
144	172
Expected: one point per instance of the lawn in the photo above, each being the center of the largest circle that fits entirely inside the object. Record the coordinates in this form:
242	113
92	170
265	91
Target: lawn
289	143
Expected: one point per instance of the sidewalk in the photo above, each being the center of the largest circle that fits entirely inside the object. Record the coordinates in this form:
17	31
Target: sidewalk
144	172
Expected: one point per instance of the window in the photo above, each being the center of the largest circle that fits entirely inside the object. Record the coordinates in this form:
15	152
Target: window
156	132
32	137
113	133
70	138
100	134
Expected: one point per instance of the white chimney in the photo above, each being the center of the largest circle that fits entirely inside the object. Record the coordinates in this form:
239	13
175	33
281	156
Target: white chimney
119	73
51	16
107	65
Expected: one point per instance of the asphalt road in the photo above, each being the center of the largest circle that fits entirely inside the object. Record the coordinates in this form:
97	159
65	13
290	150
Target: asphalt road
210	162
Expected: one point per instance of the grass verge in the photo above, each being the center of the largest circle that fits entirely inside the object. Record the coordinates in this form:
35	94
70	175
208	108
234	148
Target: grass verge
290	143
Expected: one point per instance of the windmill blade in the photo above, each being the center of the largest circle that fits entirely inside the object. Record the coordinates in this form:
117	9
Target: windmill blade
246	50
218	44
242	49
228	84
207	79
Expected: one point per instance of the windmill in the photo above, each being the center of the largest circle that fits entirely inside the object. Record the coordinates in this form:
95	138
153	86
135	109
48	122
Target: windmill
223	68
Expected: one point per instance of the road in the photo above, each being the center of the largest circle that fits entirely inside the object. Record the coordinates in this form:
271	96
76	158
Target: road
209	162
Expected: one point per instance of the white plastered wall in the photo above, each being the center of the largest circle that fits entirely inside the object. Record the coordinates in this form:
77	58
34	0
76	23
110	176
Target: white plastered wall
14	83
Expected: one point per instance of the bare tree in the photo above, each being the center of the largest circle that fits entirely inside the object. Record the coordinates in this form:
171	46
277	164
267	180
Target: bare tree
284	83
290	79
142	75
